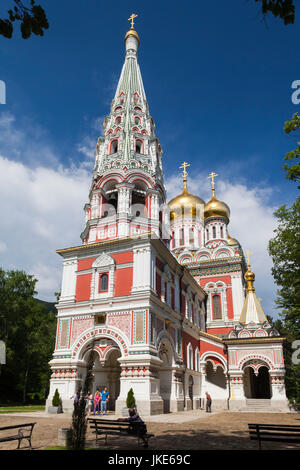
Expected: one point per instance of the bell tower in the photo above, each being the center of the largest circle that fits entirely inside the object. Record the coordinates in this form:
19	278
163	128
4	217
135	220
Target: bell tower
127	189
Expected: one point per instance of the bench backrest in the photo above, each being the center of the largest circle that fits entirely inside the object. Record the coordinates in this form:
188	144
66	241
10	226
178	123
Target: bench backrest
17	426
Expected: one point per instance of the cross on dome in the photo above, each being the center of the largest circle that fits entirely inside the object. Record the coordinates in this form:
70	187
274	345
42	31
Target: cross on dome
248	253
185	173
131	18
212	175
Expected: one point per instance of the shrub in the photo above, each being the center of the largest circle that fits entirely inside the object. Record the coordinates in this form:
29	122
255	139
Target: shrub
56	399
130	400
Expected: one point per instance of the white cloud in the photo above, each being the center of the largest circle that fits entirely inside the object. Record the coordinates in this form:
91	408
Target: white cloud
41	211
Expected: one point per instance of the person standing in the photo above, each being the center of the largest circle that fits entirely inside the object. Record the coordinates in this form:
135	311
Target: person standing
97	399
104	400
208	402
89	399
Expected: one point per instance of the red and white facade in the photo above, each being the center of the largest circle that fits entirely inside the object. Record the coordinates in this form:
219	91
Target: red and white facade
160	317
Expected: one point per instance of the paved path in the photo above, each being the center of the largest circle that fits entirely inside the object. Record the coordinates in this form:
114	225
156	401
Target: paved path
180	417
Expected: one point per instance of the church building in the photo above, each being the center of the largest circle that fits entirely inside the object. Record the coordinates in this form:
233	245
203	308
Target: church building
159	293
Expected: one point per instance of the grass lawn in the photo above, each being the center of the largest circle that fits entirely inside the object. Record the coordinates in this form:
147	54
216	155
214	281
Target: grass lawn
21	408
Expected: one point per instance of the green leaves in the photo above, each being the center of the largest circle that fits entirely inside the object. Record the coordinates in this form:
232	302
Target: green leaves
33	20
293	168
285	252
29	337
285	9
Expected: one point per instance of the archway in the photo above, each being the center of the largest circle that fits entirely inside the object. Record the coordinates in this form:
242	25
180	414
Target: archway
257	382
106	369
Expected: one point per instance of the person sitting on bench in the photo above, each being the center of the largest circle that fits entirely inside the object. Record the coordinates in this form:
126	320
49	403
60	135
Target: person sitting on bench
140	430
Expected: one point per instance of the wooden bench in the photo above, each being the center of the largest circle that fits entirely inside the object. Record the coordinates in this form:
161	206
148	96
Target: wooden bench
24	432
275	433
105	427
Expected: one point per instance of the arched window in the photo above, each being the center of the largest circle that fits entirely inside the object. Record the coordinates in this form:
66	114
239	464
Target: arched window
118	120
216	304
173	240
103	284
138	146
181	236
137	120
114	146
207	234
214	232
191	236
222	232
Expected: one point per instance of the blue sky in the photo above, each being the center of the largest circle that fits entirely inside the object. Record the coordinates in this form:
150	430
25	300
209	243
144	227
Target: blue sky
218	81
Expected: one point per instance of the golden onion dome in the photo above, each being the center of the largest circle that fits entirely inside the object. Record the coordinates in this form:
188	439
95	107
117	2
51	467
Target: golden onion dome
232	241
216	208
186	205
132	32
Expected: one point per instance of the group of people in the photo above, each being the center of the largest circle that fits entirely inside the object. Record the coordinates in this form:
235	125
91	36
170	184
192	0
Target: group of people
97	404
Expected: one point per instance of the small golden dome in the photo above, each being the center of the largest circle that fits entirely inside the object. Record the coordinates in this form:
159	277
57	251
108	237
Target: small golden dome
186	205
132	32
232	241
216	208
249	278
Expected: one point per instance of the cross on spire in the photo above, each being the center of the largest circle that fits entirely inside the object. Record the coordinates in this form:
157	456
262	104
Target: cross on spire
212	175
185	173
131	18
248	253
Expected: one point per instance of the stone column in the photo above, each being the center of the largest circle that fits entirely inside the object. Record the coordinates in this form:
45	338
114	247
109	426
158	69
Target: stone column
237	396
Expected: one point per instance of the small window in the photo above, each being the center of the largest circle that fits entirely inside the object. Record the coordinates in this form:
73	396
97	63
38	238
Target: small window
100	319
216	302
191	236
214	232
103	283
222	233
207	234
118	120
137	120
181	237
173	240
138	146
114	146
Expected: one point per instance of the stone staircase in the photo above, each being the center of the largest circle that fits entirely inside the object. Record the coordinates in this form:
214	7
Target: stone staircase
258	404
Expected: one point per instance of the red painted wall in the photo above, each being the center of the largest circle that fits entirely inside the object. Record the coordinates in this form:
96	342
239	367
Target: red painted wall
83	287
229	304
126	257
123	281
85	263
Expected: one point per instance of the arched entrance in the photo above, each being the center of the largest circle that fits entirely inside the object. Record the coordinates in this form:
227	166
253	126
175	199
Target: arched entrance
106	368
257	381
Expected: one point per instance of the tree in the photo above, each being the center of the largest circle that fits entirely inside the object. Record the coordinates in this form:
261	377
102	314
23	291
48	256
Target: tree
79	416
293	169
285	253
33	20
285	9
30	338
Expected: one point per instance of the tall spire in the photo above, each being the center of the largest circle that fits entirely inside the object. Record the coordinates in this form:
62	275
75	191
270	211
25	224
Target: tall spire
252	310
127	177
